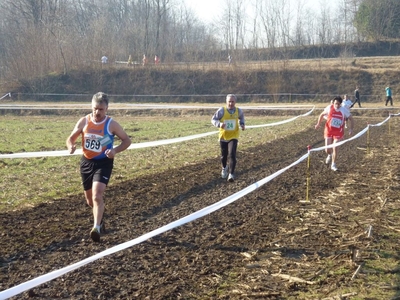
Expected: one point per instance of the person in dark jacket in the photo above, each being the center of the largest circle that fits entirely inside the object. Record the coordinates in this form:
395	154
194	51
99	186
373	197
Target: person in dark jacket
356	97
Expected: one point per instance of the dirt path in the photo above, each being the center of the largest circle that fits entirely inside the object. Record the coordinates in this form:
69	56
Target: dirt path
267	245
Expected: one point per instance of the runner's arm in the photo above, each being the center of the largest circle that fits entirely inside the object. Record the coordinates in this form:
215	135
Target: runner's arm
215	120
74	135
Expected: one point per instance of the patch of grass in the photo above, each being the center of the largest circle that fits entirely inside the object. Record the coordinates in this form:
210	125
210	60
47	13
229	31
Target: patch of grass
27	182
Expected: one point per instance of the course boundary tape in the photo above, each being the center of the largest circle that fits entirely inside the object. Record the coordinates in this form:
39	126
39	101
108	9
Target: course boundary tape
196	215
140	145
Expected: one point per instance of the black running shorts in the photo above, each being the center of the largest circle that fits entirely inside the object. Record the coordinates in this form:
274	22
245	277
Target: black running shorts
93	170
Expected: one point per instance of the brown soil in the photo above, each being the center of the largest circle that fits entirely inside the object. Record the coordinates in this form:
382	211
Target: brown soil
246	250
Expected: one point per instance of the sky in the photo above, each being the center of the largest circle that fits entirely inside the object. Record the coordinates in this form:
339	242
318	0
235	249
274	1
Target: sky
209	10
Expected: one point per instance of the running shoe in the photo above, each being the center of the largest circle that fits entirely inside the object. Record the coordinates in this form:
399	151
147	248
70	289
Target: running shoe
328	159
224	172
333	167
231	178
95	235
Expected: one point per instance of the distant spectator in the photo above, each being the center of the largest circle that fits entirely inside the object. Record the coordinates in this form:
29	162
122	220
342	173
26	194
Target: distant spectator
156	60
389	96
130	62
144	60
356	97
229	59
104	59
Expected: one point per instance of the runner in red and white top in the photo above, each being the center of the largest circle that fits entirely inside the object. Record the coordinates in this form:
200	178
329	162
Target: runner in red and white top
335	115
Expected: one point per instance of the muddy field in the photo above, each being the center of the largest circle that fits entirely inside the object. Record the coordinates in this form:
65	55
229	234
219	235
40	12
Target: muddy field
266	245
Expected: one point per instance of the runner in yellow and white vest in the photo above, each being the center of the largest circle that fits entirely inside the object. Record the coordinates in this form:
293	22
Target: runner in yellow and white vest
228	119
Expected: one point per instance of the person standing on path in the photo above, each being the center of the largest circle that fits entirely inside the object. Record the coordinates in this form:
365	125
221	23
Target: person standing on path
389	96
334	128
228	119
144	60
130	61
97	131
356	97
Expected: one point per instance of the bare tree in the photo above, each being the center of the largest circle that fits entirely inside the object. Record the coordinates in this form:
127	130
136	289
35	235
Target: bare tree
299	36
40	26
325	26
42	36
269	24
275	18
